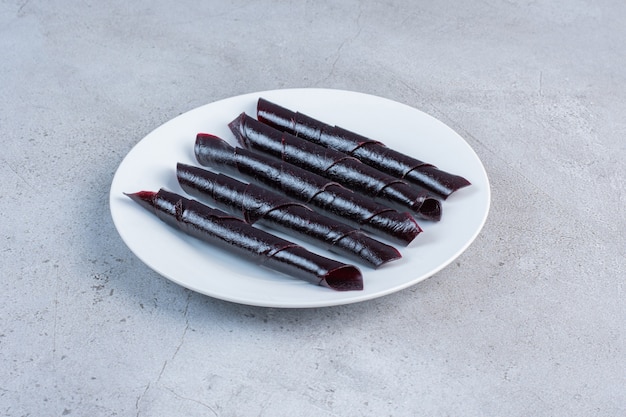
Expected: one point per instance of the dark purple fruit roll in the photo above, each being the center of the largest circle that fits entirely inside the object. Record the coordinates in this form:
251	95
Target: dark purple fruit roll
256	204
309	188
369	151
336	166
234	235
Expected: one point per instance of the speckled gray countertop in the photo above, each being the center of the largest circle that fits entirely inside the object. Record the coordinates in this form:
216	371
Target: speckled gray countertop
529	321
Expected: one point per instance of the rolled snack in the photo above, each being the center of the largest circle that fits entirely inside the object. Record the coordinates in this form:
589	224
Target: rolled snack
369	151
337	166
312	189
260	205
233	234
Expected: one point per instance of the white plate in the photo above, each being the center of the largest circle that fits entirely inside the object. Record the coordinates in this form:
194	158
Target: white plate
151	164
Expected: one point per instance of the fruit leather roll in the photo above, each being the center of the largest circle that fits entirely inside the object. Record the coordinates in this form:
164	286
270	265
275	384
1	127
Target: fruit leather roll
336	166
312	189
256	204
369	151
233	234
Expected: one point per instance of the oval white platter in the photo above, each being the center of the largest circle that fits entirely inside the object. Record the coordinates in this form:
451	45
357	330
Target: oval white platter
151	165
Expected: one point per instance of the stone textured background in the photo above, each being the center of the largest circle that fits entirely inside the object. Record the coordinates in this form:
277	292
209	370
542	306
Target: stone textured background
529	321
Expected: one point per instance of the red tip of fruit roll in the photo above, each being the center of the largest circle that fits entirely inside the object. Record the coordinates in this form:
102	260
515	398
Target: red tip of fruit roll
345	278
441	182
431	209
221	151
143	198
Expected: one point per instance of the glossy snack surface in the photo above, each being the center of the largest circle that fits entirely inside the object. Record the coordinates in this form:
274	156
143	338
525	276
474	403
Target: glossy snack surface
256	204
335	200
369	151
233	234
336	166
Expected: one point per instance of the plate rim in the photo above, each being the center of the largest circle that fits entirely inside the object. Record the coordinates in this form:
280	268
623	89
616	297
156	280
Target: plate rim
349	297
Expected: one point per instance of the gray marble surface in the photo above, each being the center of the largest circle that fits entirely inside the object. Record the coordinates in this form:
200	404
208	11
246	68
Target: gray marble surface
530	320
